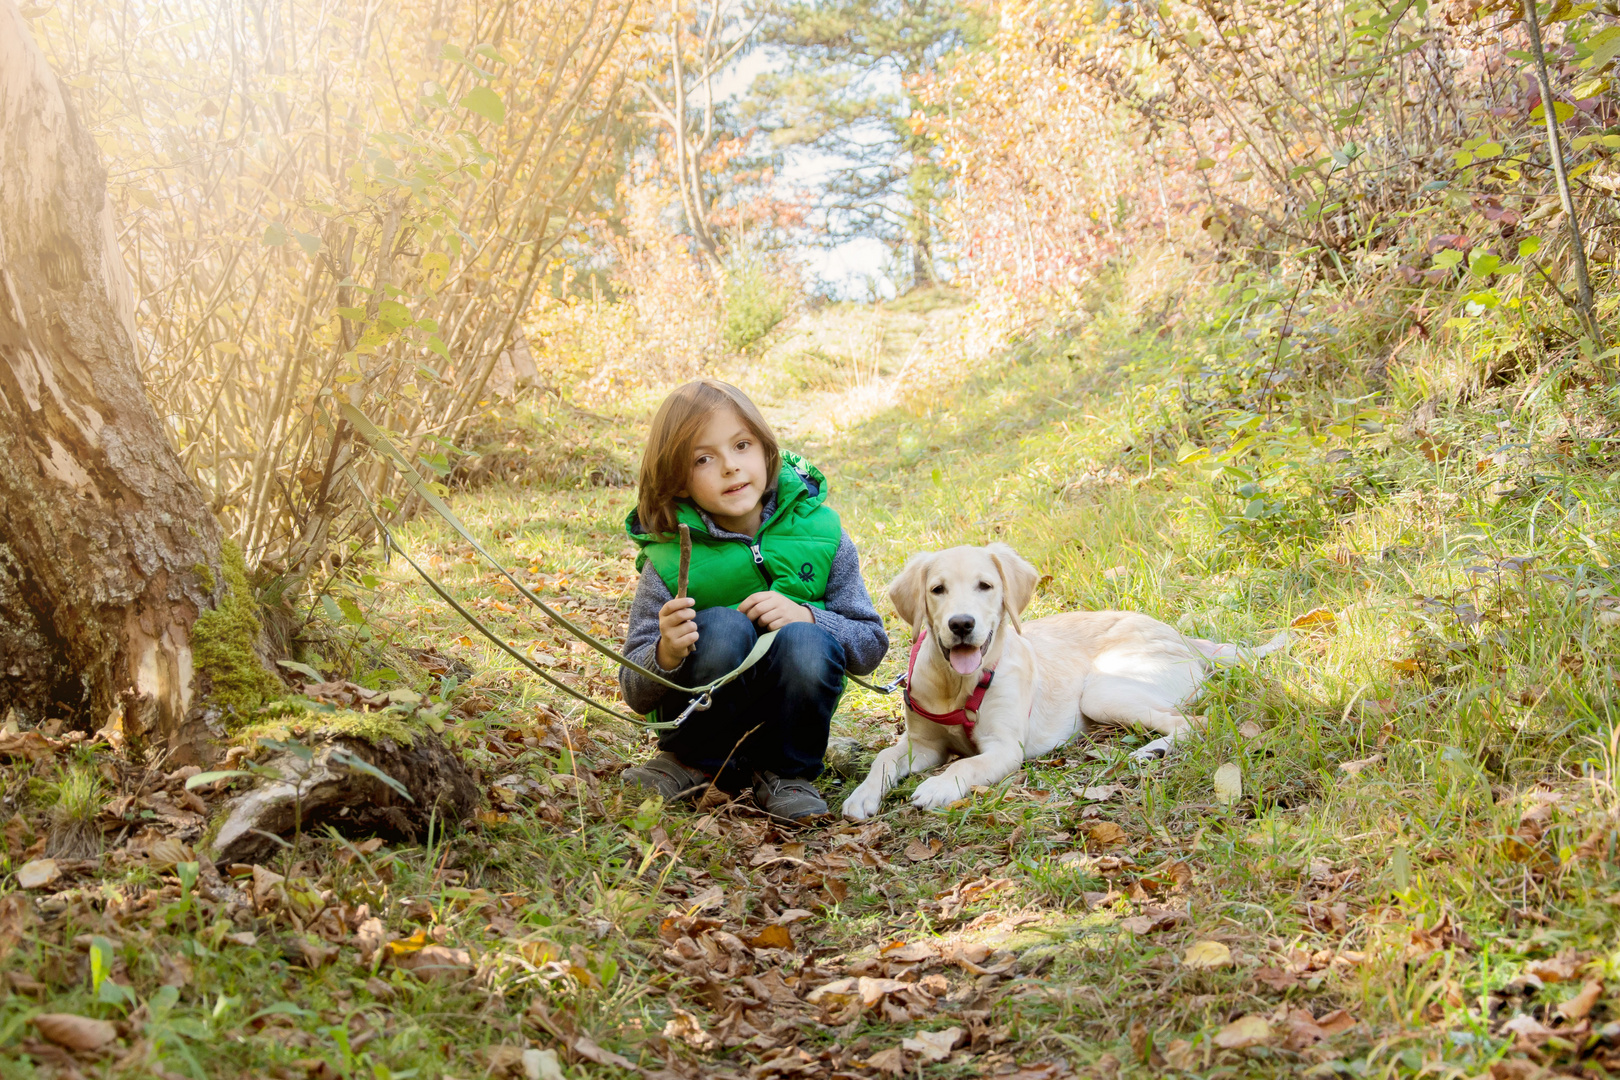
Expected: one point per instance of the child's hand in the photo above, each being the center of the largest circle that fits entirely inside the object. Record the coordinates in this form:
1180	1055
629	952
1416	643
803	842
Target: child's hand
772	610
677	631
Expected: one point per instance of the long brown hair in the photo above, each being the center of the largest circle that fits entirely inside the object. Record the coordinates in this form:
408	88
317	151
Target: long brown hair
666	464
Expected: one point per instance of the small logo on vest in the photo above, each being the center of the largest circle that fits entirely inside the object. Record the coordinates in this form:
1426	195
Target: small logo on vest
807	572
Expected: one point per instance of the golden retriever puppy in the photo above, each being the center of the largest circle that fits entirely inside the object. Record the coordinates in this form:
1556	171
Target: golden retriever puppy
992	692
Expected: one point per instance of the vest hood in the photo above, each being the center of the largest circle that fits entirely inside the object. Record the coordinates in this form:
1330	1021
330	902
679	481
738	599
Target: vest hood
792	553
799	483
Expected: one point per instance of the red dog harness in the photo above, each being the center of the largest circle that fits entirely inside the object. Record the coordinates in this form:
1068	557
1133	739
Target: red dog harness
968	714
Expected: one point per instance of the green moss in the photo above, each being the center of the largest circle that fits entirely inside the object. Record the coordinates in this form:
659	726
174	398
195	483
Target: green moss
223	640
205	576
371	727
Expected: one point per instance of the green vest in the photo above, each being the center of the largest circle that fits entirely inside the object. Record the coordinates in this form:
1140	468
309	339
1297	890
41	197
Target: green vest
791	555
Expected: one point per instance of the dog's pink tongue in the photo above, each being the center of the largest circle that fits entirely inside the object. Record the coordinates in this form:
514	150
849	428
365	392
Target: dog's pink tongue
965	659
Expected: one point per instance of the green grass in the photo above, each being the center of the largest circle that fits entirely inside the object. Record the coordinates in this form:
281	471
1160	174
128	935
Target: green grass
1414	892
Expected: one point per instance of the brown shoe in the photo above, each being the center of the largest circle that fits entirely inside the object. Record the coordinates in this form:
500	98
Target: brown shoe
668	777
787	798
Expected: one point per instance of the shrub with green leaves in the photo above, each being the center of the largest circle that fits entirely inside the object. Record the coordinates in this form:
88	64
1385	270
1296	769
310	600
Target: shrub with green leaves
756	300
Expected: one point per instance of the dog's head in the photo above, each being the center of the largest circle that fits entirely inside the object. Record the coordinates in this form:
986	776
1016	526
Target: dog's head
963	596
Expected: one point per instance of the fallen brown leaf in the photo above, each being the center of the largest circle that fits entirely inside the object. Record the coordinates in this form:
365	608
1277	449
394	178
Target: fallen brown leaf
981	959
891	1061
504	1061
436	962
934	1045
1250	730
1170	876
265	883
1105	834
772	937
27	744
1153	919
916	952
684	1027
74	1032
1181	1055
1244	1032
1142	1045
1433	450
871	991
1354	768
837	988
1204	955
1336	1021
316	953
38	873
16	916
921	850
1277	978
1561	968
168	853
1578	1006
1303	1030
22	984
1529	1030
1321	616
369	937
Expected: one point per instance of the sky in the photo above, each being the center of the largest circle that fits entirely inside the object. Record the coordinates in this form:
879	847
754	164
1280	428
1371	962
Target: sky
849	270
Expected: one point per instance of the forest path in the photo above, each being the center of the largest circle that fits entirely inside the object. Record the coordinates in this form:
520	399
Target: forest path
1355	867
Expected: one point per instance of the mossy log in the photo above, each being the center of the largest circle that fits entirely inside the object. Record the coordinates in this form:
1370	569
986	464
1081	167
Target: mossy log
324	790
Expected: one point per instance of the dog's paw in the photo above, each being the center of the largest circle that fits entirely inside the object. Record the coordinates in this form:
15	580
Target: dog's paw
937	791
1154	750
862	803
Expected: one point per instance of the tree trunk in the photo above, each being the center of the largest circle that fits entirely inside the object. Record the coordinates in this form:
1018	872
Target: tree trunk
108	552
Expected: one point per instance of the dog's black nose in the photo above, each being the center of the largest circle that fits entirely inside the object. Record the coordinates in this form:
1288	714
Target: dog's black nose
961	625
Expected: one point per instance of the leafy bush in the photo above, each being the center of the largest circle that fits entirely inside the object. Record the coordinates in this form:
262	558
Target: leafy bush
1376	143
303	233
756	299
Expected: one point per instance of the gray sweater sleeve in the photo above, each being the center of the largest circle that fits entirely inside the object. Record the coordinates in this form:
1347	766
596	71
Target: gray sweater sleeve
641	643
849	617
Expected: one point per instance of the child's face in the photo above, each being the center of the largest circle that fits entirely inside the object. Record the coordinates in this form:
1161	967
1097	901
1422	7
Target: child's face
728	472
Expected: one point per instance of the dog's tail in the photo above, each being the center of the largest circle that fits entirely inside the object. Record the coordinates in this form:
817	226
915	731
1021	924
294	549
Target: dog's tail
1226	654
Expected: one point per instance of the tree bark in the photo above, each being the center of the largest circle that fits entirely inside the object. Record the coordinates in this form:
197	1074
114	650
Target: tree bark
108	552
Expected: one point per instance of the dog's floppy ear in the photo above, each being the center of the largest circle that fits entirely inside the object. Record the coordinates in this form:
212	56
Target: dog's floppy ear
1018	580
906	590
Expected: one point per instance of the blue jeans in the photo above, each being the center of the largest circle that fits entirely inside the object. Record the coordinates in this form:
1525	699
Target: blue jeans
774	717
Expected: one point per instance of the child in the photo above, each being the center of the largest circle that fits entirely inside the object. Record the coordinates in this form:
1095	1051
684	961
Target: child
767	554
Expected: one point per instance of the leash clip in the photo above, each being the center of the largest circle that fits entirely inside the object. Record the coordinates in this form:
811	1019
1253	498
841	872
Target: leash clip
899	681
701	703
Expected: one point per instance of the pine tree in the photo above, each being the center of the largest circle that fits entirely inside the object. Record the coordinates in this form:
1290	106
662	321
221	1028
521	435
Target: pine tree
847	90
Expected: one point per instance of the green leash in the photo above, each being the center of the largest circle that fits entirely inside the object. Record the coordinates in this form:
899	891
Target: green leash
702	697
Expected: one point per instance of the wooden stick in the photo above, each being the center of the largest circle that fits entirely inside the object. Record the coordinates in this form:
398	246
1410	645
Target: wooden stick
686	562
